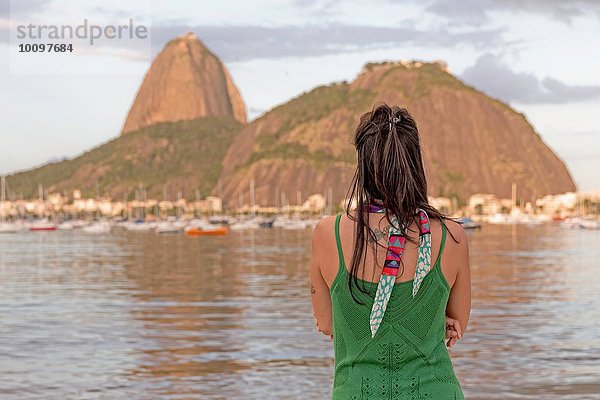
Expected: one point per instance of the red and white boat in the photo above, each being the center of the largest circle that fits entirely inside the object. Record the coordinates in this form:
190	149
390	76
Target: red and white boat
42	225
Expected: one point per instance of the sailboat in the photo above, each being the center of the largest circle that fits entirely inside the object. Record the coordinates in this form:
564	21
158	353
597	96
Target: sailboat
168	227
6	227
139	224
43	224
98	227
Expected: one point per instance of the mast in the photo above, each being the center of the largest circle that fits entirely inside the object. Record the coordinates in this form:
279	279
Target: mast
252	197
3	198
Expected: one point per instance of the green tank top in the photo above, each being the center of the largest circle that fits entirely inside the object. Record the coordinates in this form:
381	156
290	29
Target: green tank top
407	358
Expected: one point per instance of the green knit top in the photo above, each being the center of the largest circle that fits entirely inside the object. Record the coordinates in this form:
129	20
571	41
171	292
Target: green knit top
407	358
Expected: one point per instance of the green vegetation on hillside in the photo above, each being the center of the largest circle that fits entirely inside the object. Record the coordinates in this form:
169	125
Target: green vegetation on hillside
182	156
307	108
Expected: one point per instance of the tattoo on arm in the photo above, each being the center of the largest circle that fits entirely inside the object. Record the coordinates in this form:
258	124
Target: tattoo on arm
312	288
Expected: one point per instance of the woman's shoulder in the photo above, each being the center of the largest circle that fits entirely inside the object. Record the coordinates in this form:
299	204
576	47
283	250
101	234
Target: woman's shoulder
323	237
456	242
454	227
325	226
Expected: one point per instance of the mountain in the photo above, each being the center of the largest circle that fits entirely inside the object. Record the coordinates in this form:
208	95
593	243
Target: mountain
471	142
185	81
167	157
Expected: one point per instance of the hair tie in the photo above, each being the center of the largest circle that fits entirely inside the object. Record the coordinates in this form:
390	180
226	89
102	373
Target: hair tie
394	120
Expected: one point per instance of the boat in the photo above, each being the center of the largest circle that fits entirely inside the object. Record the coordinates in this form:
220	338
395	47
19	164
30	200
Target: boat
570	223
500	219
294	224
216	231
66	226
220	219
42	225
580	223
589	224
200	223
138	226
517	218
243	225
97	227
8	227
80	223
267	223
168	227
468	223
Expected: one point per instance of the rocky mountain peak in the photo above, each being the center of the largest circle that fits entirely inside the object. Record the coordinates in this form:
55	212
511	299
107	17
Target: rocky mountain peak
184	82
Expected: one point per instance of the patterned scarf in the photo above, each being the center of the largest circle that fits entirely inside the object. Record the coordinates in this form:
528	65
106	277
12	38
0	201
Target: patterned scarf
394	251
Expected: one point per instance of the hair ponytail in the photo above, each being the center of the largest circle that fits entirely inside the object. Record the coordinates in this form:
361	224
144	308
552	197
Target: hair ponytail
390	168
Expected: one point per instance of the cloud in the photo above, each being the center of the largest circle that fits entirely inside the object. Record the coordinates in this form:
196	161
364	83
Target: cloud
495	78
476	12
20	8
234	43
244	42
11	10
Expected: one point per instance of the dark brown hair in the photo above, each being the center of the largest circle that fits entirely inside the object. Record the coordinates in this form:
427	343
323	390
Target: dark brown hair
390	168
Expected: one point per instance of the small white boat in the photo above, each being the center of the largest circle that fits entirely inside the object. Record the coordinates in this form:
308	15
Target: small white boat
139	226
97	227
294	224
80	223
468	223
42	225
168	227
244	225
221	220
531	222
501	219
8	227
580	223
66	226
589	224
570	223
200	223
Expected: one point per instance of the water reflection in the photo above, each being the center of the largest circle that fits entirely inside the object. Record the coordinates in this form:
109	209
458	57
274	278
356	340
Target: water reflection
147	316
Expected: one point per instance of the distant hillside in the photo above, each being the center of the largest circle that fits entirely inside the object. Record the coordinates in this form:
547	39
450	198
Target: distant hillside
182	156
184	82
471	142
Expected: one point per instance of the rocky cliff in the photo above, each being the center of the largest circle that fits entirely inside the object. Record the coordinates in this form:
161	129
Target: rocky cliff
471	142
185	81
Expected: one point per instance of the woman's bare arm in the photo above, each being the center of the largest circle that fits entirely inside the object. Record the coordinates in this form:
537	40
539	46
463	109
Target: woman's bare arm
321	300
459	302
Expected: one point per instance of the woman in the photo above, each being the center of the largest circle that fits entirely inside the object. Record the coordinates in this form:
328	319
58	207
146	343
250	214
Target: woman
389	311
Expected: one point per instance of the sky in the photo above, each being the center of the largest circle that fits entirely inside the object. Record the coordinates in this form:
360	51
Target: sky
540	56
